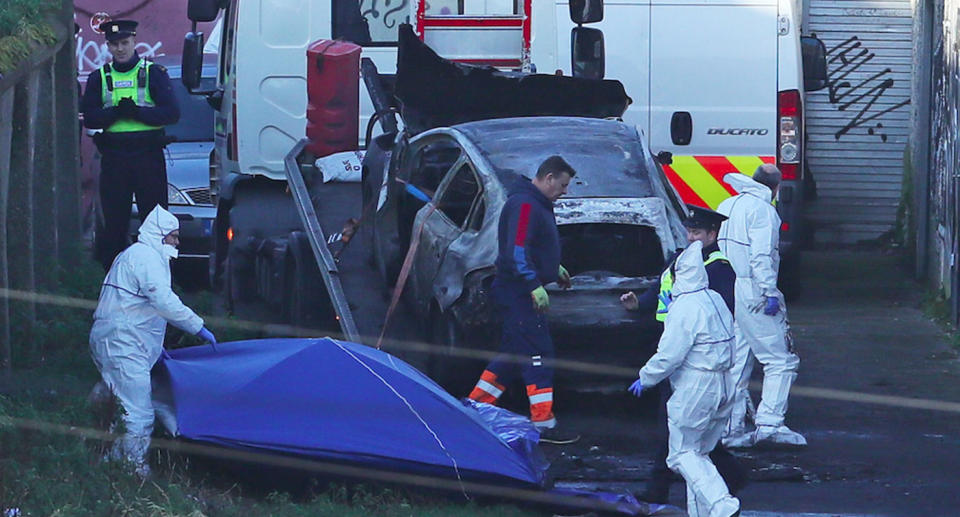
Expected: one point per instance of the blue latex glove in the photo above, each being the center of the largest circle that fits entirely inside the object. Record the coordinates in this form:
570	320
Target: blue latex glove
667	299
207	336
636	388
772	307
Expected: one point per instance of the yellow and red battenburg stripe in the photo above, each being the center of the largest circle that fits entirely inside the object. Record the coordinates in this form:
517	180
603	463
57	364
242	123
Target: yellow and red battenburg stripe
699	179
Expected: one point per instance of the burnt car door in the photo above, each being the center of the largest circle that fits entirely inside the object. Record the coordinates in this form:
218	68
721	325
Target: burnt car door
457	208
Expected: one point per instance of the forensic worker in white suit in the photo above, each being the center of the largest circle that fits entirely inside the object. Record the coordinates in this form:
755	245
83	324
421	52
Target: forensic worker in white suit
750	239
696	353
136	302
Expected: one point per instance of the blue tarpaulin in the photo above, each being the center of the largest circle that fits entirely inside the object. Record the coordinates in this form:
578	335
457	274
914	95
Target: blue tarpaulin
336	401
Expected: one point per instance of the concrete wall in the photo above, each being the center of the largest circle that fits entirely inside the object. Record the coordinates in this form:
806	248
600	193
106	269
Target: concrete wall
936	145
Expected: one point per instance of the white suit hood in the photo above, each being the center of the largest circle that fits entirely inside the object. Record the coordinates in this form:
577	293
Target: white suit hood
744	184
690	274
698	333
750	237
158	224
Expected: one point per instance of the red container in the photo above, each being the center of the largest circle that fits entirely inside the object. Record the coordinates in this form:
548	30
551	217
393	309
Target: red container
333	96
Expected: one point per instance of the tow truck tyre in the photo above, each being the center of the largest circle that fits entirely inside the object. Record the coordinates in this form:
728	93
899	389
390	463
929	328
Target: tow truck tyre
454	373
238	277
306	304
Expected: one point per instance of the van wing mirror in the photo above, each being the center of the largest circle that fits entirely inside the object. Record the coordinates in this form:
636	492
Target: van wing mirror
665	157
587	54
814	63
203	10
586	11
191	62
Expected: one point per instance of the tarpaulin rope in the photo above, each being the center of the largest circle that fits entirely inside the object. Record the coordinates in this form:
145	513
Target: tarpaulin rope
456	467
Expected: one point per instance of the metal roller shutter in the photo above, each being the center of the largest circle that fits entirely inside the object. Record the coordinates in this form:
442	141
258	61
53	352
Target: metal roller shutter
858	126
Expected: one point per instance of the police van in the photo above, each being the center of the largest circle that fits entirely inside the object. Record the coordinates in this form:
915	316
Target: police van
718	84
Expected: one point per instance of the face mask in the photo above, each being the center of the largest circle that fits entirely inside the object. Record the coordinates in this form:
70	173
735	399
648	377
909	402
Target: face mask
169	252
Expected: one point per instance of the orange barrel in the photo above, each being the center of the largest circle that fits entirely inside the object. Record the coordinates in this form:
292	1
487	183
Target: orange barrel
333	96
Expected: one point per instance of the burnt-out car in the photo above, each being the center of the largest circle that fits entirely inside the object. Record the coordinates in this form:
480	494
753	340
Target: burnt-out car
618	224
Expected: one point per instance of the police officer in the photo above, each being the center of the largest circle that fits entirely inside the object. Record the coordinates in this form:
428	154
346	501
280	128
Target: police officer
131	100
528	259
702	225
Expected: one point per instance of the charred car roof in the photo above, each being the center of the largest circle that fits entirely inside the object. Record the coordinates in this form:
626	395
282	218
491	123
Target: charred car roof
606	154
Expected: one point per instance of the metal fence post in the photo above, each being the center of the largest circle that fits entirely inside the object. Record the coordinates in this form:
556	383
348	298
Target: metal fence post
6	131
44	183
66	139
20	205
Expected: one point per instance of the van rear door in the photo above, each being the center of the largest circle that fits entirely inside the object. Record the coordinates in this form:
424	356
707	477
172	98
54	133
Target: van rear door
713	91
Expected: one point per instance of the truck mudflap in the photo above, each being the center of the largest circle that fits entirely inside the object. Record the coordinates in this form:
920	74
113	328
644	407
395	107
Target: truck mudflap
318	243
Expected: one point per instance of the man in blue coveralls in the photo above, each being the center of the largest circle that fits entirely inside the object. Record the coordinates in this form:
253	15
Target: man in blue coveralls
528	259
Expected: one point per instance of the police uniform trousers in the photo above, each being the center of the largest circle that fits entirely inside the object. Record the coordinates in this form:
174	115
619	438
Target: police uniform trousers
140	169
526	350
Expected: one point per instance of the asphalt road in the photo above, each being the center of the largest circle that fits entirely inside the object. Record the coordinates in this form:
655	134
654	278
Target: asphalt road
860	332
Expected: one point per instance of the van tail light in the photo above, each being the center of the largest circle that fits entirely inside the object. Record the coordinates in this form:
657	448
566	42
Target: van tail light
790	112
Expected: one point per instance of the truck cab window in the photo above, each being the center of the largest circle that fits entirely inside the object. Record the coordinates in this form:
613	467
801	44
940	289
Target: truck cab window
369	22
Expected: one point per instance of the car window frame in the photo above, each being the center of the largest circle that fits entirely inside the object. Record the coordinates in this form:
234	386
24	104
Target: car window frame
479	196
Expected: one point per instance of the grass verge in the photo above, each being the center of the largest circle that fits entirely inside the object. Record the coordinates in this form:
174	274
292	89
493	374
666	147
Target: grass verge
49	467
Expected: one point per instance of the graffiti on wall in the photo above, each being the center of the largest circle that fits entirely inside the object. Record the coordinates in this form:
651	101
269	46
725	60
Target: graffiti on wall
945	122
384	16
859	98
92	50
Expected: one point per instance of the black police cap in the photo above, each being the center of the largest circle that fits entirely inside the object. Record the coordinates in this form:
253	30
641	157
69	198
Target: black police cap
703	218
118	29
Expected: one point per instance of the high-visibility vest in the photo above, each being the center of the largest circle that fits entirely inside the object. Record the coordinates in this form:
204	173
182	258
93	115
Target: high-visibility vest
134	83
666	283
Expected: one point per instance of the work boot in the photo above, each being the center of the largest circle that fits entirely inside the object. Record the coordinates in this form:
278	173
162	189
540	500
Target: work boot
557	437
779	434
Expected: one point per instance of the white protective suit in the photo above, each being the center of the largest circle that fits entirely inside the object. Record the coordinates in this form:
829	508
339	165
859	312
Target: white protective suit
750	238
696	353
136	302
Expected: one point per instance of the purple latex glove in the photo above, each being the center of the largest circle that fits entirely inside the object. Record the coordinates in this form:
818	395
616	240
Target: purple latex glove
772	307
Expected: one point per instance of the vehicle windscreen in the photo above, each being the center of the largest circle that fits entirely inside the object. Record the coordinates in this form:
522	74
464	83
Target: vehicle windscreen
606	155
196	116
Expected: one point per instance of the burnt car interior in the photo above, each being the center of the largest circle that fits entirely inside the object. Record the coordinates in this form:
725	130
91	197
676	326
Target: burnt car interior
622	249
458	199
425	169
